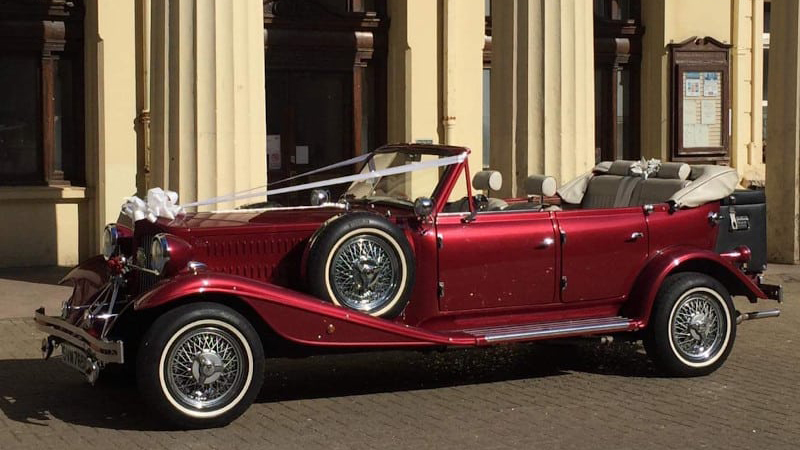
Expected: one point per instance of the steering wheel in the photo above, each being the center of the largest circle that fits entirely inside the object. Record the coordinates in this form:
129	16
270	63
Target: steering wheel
481	202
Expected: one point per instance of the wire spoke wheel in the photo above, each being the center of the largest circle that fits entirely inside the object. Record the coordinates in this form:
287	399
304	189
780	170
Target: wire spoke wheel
363	262
692	327
205	368
365	273
698	327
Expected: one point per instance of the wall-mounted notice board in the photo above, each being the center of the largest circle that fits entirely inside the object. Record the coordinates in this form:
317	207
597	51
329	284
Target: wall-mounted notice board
700	103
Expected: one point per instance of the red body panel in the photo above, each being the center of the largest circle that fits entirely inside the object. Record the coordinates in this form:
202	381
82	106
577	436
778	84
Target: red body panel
498	260
266	246
299	317
600	256
687	227
670	260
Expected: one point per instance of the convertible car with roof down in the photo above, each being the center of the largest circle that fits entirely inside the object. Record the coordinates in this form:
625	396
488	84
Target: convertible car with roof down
417	253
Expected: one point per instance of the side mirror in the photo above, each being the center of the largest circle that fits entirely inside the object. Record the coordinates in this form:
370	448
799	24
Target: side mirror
319	197
423	207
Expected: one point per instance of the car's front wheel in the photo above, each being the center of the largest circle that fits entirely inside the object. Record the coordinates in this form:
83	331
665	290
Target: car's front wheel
692	326
200	365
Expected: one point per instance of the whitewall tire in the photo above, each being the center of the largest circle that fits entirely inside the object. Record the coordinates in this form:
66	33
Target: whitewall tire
200	365
692	327
363	262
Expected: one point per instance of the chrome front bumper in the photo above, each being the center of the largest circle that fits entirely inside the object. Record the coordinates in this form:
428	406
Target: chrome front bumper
59	330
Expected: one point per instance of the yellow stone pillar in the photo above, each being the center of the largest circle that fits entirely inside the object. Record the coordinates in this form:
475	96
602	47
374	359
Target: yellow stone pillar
542	90
503	107
565	148
142	21
208	99
462	76
159	93
747	87
783	129
110	80
413	72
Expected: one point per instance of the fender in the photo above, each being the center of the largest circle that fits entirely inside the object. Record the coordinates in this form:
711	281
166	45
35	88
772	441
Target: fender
683	258
94	272
86	280
296	316
311	240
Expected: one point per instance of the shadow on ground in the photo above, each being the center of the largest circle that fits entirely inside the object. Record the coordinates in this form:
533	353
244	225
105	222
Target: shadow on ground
34	391
43	275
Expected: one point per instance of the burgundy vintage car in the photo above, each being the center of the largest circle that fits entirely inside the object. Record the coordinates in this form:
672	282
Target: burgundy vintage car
416	253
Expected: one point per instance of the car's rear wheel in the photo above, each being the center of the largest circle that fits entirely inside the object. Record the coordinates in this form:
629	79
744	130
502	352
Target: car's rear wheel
692	326
200	365
363	262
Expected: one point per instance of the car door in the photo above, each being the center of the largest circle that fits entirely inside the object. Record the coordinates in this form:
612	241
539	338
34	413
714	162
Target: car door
602	251
501	259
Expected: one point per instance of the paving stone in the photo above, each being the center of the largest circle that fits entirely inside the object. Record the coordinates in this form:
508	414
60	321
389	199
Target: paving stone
551	395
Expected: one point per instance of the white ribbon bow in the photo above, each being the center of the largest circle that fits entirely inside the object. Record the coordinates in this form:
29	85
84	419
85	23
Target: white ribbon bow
160	203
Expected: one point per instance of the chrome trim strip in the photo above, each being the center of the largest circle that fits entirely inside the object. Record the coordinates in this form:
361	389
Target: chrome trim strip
104	351
489	213
552	329
545	325
278	208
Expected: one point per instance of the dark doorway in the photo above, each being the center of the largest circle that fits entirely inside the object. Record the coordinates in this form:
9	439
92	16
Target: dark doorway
617	60
325	86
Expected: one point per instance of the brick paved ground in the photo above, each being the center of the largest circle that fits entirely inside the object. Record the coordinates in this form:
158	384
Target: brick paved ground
543	395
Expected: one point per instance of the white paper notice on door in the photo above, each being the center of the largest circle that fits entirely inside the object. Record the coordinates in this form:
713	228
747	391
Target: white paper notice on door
273	152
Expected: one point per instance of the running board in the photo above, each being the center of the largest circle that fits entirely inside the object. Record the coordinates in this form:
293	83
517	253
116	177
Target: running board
552	329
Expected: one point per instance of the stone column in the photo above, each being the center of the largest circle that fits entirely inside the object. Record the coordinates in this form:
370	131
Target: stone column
462	72
413	72
783	131
159	93
142	18
110	80
542	90
208	99
747	89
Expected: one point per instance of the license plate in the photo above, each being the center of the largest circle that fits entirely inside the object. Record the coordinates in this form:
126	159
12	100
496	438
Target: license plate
74	357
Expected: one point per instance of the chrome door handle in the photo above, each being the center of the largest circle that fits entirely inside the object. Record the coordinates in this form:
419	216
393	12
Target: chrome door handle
636	235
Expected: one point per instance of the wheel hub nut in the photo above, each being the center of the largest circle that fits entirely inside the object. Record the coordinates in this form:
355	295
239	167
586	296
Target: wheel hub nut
207	367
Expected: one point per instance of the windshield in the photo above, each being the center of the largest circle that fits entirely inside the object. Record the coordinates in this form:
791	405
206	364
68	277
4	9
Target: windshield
401	188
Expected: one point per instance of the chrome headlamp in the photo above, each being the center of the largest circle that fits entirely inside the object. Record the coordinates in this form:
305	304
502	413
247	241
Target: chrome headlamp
110	241
159	252
320	197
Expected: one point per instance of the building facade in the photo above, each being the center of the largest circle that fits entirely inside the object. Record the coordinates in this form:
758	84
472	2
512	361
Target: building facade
103	99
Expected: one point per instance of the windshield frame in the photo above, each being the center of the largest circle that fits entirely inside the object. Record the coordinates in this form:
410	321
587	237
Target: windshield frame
445	180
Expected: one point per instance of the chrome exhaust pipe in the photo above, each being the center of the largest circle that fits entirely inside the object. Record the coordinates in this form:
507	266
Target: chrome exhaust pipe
741	317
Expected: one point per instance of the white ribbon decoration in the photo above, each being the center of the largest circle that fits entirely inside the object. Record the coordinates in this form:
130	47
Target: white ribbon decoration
646	168
332	182
162	203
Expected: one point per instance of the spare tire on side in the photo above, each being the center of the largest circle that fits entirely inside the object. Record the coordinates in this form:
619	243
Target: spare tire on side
363	262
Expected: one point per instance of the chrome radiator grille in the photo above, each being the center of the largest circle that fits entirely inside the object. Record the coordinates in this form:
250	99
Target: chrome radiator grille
144	259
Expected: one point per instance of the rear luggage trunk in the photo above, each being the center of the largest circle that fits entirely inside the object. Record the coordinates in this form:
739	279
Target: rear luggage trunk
744	222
